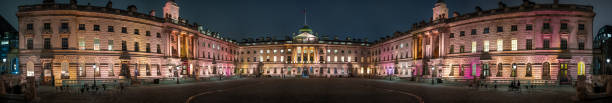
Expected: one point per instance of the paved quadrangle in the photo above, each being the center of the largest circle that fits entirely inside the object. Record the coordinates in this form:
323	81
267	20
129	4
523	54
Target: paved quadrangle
313	90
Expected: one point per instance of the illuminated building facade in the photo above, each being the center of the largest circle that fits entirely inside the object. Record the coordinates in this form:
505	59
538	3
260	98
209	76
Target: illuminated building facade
304	55
549	43
62	43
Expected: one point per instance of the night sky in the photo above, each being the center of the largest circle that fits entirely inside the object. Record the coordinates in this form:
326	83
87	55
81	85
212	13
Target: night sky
372	19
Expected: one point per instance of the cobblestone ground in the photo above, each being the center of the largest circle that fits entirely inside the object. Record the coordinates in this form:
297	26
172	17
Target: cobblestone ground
314	91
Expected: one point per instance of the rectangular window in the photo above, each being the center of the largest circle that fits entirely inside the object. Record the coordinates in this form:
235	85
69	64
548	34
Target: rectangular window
158	35
158	70
82	43
335	58
461	49
528	44
485	31
64	27
81	26
111	70
452	35
47	26
500	45
500	29
462	33
81	70
136	31
96	70
328	59
30	26
486	46
30	43
96	28
148	33
158	49
546	26
563	44
65	73
514	28
581	46
473	32
563	26
580	26
136	47
123	46
110	45
148	48
514	44
474	47
546	44
124	30
96	44
64	43
47	43
111	29
529	27
452	49
148	69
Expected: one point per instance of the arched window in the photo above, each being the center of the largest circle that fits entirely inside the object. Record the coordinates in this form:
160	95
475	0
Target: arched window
528	70
546	71
513	74
500	69
581	67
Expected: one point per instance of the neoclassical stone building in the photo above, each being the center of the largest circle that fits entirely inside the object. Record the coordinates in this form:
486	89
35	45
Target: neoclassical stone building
64	43
70	43
303	55
541	42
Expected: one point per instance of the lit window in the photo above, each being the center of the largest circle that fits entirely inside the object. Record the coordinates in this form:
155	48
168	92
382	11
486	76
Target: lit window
500	45
110	45
281	58
342	59
65	73
82	43
349	59
486	46
328	59
96	44
473	47
581	68
274	58
514	45
335	58
30	69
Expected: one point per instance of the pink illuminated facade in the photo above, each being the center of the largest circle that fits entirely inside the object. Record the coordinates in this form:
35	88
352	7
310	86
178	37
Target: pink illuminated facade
537	42
70	43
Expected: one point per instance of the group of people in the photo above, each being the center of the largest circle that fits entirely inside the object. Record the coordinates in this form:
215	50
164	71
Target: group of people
86	88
